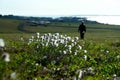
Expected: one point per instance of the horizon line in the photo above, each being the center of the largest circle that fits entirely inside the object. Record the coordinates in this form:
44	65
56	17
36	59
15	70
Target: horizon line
57	15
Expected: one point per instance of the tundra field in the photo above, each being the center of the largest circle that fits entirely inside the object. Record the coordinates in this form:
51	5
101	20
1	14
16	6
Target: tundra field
55	52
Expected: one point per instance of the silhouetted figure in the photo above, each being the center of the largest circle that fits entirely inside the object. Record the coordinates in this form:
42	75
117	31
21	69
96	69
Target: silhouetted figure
82	30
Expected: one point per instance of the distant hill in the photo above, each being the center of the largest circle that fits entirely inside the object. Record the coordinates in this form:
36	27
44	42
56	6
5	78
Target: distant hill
58	19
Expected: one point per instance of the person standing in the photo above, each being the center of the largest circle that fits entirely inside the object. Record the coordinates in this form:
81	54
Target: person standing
82	30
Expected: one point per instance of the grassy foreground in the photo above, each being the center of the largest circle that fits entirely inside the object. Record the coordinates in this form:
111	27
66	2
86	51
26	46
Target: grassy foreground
56	56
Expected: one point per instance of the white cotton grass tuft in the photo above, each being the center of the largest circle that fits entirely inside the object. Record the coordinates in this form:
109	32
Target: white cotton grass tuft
76	38
21	38
13	75
64	52
118	57
79	47
85	57
90	70
38	35
6	57
85	51
114	75
36	64
76	52
2	44
56	34
80	74
56	40
107	51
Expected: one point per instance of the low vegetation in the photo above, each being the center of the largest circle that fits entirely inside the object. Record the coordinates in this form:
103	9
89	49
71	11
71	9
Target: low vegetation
55	56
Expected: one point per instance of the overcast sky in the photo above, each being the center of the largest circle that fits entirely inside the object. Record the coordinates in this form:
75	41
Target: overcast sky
60	7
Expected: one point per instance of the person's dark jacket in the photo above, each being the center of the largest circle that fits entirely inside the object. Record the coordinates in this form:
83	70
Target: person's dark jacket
82	28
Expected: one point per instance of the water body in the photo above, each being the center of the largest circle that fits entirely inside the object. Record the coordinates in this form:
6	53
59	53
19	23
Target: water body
113	20
106	19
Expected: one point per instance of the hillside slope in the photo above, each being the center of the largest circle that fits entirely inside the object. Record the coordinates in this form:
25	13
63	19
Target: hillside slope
9	25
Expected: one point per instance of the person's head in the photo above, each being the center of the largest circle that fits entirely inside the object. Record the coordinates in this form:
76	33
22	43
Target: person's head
82	22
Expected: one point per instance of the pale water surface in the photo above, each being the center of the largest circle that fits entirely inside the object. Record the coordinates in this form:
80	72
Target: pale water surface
106	19
115	20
